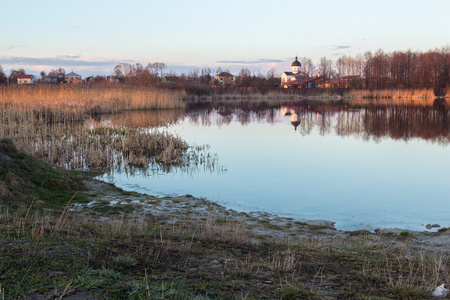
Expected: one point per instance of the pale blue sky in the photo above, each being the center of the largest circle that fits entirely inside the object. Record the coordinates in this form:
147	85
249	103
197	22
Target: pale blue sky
90	37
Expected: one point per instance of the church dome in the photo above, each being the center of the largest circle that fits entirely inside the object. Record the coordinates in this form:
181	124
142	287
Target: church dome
296	63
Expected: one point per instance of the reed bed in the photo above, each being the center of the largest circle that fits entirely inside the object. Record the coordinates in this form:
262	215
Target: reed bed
83	146
49	122
366	96
392	96
77	101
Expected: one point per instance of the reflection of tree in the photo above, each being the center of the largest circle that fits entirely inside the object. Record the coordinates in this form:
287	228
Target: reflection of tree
370	122
244	118
398	123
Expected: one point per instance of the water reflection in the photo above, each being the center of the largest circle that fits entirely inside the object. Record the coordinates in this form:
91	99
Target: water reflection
337	161
371	122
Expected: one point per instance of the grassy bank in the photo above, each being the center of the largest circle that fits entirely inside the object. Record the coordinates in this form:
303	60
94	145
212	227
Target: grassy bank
26	181
133	246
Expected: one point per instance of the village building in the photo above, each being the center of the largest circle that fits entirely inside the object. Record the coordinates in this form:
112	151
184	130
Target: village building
343	82
170	79
225	78
54	77
25	79
74	78
308	82
114	79
294	74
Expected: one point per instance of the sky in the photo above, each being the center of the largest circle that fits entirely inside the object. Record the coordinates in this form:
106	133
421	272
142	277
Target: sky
91	37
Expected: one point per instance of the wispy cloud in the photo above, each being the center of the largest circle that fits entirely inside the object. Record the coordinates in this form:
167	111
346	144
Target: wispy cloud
15	46
61	60
335	47
65	56
250	62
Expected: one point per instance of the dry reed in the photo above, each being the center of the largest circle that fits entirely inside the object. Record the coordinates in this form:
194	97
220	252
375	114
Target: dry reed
86	99
391	96
47	122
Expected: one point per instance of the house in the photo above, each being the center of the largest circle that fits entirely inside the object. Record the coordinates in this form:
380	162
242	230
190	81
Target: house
25	79
343	82
54	77
225	78
74	78
308	82
114	79
294	73
170	79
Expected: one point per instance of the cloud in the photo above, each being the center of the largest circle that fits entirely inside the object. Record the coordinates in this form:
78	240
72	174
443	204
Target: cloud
65	56
341	47
250	62
15	46
61	61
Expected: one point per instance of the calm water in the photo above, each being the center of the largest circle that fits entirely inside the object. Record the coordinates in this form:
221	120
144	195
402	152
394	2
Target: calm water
363	168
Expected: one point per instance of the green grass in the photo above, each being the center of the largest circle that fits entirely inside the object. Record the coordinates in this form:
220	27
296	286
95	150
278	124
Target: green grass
26	181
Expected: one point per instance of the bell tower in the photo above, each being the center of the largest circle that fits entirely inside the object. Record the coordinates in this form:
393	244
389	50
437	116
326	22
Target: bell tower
295	66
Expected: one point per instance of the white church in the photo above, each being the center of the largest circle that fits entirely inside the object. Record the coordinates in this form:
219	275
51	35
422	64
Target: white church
294	73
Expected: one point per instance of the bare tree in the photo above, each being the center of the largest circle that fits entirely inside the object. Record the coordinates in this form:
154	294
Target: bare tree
244	77
206	76
326	68
194	75
3	78
13	75
307	67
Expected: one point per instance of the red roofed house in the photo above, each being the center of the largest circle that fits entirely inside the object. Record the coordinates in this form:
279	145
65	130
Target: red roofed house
225	78
343	82
308	82
25	79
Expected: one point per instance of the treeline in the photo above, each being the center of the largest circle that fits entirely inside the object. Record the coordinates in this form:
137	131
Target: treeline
378	70
407	69
396	70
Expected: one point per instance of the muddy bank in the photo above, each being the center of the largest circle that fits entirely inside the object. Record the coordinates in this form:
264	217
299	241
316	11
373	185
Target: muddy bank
109	201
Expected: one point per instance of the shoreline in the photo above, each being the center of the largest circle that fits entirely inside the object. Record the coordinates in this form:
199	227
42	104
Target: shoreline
259	226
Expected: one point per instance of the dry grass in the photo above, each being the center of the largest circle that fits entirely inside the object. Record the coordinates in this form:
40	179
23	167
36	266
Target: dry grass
212	257
391	96
48	122
63	100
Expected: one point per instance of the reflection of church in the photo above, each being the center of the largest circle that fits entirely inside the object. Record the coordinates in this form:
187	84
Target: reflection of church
295	115
294	73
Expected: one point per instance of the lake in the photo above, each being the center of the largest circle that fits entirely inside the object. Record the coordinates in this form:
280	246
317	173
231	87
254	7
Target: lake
361	167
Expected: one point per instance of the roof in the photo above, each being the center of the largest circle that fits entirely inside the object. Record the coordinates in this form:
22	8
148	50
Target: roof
24	76
302	80
72	74
224	74
334	81
296	63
